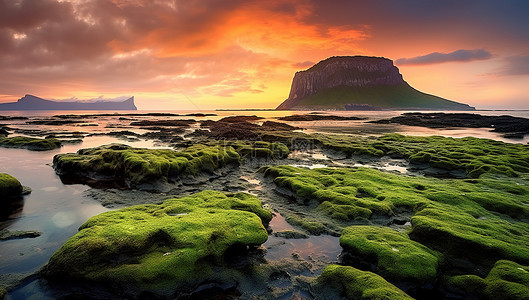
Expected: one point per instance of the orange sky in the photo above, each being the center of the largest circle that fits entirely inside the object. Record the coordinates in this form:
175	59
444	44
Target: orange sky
243	54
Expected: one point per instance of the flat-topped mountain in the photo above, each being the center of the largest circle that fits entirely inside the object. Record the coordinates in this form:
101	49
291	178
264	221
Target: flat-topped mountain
359	83
30	102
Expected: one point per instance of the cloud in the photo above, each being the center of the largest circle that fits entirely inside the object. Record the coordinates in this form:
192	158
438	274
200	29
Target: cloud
461	55
210	47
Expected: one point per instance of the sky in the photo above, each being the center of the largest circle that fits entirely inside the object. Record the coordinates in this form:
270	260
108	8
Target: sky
208	54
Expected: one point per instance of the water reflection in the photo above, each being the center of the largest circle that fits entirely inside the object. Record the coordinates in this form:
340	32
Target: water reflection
55	209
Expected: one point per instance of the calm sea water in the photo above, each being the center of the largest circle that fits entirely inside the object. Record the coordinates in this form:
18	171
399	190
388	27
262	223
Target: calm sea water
57	210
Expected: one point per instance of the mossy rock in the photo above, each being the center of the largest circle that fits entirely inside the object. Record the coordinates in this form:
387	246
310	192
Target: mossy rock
290	234
396	256
356	284
10	187
475	156
161	248
482	220
136	166
506	280
256	149
312	227
30	143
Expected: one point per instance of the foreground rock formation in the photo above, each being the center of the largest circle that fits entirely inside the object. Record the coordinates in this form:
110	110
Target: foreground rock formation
359	83
162	248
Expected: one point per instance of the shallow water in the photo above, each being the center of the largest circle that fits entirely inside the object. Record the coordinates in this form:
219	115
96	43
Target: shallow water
57	210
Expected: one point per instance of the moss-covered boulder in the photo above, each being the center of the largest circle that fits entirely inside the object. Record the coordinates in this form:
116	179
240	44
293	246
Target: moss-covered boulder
161	248
30	143
506	280
396	257
483	220
10	187
136	166
356	284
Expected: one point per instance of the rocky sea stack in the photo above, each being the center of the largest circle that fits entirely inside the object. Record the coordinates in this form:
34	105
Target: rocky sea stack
359	83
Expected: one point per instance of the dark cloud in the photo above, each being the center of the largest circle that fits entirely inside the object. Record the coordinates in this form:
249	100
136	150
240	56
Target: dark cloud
304	64
436	57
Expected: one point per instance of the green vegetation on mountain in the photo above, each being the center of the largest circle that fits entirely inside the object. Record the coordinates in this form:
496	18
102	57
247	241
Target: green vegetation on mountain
400	96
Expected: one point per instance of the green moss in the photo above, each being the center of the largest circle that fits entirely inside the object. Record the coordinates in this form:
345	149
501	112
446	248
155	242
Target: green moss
290	234
474	155
159	247
30	143
482	219
356	284
10	187
397	257
3	292
312	227
136	165
506	280
258	149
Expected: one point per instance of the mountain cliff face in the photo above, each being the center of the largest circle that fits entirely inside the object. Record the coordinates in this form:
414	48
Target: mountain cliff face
30	102
358	82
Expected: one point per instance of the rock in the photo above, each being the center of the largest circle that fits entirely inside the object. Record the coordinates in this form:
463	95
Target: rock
54	122
178	123
317	117
395	256
336	281
11	235
480	220
271	126
239	119
134	167
8	118
239	131
338	81
291	234
506	280
30	143
10	195
162	249
512	127
10	187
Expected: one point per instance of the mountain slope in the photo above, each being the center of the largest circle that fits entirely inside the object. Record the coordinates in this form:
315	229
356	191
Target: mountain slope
363	83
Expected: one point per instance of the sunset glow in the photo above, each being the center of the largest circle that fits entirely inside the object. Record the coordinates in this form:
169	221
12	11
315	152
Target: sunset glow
179	55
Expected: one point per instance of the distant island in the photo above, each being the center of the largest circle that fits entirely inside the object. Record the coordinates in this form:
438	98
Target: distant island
30	102
359	83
